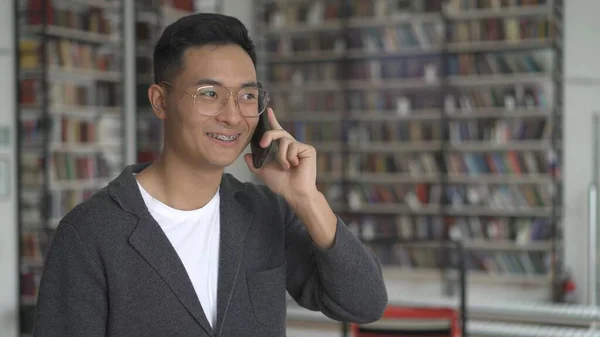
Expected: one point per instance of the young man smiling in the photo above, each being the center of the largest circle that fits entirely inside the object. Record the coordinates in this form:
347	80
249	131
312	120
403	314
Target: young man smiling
178	248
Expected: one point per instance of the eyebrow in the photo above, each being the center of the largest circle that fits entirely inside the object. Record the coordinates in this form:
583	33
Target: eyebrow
208	81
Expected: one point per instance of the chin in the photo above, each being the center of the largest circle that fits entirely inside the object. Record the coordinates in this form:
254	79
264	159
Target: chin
221	157
222	162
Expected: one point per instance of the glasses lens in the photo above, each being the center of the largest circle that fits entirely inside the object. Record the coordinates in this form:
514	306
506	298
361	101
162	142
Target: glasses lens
252	101
210	99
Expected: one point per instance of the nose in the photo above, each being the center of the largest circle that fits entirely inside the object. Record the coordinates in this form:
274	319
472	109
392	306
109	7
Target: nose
230	112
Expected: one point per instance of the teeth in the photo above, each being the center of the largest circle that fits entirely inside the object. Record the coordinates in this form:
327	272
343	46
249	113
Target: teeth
222	137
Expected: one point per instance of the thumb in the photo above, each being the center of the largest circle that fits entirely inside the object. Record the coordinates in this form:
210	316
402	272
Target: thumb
248	159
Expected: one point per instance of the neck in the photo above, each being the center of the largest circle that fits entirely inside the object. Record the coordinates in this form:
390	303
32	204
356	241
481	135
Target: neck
180	184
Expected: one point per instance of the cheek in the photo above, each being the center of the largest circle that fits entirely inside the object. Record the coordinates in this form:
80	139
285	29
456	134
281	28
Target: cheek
252	122
191	126
186	111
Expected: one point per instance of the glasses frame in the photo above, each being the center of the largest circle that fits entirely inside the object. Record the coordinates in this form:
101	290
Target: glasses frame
231	92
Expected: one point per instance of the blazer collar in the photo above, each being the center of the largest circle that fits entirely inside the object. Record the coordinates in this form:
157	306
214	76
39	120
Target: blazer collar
125	192
153	245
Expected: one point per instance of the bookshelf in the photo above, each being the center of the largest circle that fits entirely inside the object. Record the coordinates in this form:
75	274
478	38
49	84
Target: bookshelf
151	18
71	119
434	121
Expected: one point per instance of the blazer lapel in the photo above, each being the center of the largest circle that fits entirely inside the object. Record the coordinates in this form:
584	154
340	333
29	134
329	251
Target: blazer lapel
236	218
154	246
150	241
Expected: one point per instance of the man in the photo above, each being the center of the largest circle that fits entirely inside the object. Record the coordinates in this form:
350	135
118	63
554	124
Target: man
177	247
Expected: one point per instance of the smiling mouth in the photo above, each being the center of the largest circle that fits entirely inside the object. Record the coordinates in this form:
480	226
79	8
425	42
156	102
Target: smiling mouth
223	138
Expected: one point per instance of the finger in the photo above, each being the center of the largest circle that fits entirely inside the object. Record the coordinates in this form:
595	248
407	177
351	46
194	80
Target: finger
293	152
273	120
303	151
284	144
273	135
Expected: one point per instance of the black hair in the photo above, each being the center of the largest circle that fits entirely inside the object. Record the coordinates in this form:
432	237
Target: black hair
194	31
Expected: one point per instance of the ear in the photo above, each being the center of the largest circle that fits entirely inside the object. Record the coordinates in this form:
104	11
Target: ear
157	97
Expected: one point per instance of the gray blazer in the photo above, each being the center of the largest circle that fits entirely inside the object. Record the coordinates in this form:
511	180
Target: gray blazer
111	271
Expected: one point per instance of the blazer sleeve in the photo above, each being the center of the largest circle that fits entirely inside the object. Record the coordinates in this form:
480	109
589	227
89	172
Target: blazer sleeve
344	282
72	299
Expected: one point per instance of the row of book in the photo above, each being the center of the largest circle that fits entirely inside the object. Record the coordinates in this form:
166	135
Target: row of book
514	29
493	131
80	131
417	164
30	131
524	98
404	228
59	93
52	206
495	263
61	202
500	131
520	231
31	169
406	102
58	13
64	92
415	196
149	132
359	39
507	163
100	130
75	166
458	5
467	64
393	68
38	207
427	68
30	283
145	32
33	245
66	54
316	12
424	36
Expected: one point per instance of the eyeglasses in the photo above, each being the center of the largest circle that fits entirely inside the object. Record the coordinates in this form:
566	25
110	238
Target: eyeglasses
209	100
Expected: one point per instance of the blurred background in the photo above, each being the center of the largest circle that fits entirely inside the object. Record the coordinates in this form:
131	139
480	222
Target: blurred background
457	139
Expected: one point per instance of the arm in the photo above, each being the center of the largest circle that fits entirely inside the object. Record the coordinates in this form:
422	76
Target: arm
329	269
72	300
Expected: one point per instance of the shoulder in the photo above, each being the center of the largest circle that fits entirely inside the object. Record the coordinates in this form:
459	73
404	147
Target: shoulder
98	217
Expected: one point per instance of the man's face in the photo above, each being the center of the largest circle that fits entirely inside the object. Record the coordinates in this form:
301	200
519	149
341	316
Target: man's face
218	140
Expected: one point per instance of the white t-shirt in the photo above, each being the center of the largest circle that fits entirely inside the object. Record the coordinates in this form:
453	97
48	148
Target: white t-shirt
195	237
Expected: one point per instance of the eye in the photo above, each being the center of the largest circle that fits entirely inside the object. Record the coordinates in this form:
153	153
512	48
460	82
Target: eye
208	93
248	96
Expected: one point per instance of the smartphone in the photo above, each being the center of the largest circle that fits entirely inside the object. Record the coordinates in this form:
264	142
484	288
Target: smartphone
260	154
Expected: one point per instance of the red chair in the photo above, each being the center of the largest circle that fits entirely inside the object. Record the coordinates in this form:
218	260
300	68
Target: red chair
411	322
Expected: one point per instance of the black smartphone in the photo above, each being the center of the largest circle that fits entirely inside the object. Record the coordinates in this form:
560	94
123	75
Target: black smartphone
260	154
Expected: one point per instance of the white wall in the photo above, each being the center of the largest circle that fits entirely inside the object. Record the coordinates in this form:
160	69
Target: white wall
8	220
582	98
244	11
